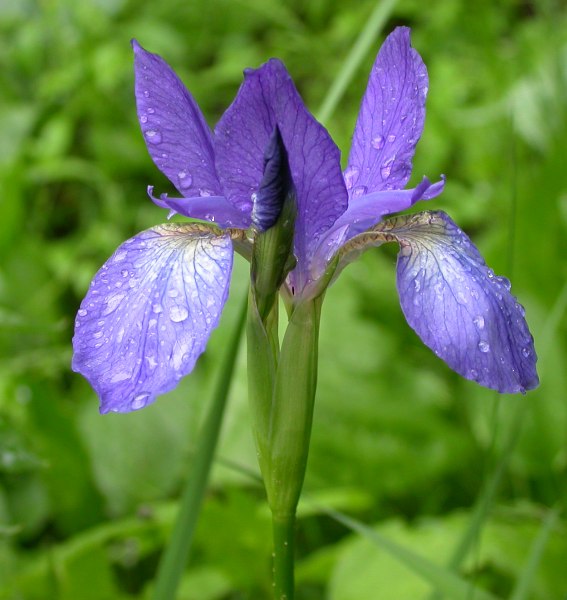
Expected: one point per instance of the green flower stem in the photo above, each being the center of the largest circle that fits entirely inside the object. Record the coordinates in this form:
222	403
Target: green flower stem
282	394
284	543
174	560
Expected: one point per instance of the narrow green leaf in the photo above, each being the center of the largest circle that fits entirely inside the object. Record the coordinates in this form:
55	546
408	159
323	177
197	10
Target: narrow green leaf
441	578
363	43
174	560
527	574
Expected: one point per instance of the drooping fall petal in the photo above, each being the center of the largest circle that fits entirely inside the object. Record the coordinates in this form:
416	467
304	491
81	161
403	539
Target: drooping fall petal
150	311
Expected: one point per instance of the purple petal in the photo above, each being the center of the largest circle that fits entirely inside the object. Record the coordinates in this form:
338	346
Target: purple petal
368	210
459	308
177	136
215	209
268	98
391	118
149	313
276	184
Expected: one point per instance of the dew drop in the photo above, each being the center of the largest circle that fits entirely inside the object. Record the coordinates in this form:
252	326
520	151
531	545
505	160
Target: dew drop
140	401
143	119
153	136
484	346
350	176
204	193
112	303
157	308
526	352
391	138
359	191
378	142
173	293
185	179
479	321
178	314
120	256
146	94
82	312
152	362
124	273
386	168
416	285
120	376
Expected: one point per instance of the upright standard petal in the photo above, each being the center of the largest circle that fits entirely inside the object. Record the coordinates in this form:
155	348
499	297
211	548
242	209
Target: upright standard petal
150	311
458	307
268	98
390	120
177	136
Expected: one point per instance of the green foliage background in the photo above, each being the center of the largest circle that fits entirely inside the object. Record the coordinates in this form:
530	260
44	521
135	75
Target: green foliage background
399	441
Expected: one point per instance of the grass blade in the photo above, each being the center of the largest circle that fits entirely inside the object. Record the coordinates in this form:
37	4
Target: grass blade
441	578
175	557
363	43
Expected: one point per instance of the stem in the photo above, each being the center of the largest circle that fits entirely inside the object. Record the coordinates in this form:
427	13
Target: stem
174	560
284	541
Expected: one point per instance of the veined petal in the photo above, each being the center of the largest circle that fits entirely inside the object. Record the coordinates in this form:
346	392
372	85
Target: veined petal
215	209
176	133
149	313
268	98
458	307
391	118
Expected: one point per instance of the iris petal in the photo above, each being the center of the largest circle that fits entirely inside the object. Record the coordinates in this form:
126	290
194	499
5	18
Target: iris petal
458	307
150	311
268	98
215	209
390	120
176	133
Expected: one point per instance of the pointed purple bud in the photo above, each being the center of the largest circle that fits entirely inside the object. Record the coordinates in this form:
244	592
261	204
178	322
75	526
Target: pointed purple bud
276	184
150	311
458	307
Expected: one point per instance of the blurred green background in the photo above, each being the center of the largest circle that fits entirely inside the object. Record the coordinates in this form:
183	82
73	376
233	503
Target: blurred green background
399	441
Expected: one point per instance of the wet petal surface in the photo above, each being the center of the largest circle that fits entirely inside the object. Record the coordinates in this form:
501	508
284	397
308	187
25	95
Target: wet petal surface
458	307
390	120
176	134
268	98
149	313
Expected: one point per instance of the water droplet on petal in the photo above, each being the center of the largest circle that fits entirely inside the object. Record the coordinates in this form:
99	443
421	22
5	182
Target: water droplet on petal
143	119
386	168
416	285
139	401
185	179
204	193
526	352
157	308
112	303
391	138
82	312
173	293
359	191
479	321
153	136
120	376
484	346
178	314
378	142
146	94
350	176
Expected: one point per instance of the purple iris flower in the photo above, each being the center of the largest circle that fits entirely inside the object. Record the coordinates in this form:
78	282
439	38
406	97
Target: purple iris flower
152	306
